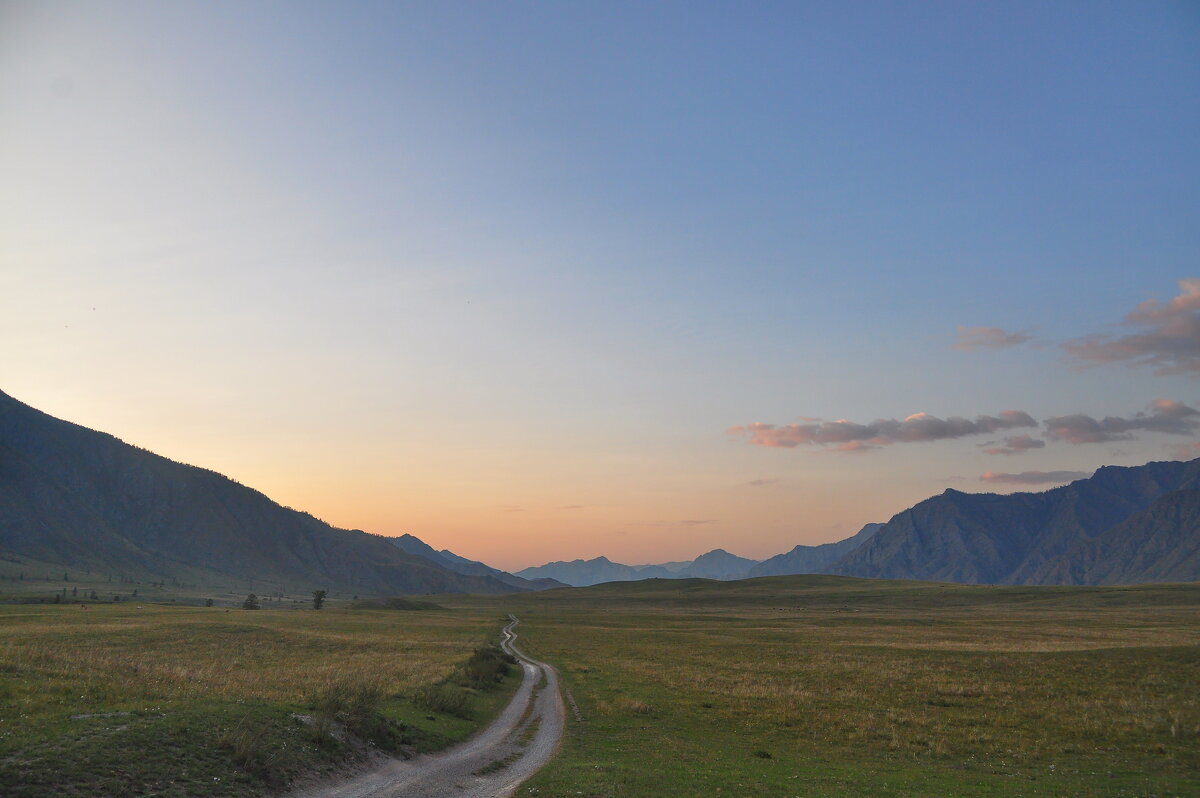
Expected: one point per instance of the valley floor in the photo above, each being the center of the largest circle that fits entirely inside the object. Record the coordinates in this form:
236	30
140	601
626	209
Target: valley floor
822	686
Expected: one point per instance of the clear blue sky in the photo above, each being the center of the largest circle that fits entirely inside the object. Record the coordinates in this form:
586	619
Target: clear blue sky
450	268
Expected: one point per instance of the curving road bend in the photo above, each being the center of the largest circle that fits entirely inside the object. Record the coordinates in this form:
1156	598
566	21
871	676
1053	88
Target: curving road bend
492	764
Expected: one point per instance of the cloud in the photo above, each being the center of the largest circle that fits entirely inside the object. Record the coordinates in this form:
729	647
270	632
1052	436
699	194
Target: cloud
1033	477
848	436
1169	341
1165	415
695	523
571	507
761	483
972	338
1014	444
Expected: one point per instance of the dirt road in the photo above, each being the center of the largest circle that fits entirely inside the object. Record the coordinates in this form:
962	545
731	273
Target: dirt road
492	764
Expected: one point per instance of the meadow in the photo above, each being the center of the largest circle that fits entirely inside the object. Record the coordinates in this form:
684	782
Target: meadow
785	686
144	699
823	686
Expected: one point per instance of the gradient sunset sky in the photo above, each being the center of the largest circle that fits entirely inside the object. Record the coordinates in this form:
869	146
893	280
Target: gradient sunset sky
539	281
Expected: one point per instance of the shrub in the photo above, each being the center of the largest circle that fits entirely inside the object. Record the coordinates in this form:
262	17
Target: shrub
356	706
444	697
247	746
488	665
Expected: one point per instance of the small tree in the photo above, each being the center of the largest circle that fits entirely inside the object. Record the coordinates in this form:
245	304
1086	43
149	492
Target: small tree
251	602
208	602
318	599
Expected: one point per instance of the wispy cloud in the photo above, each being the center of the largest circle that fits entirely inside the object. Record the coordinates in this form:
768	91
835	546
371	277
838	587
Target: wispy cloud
693	522
1169	340
1164	415
571	507
1014	444
972	338
1033	477
761	483
848	436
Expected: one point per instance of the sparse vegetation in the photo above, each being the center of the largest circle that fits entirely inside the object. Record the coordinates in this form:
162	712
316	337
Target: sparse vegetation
395	603
857	687
187	701
444	697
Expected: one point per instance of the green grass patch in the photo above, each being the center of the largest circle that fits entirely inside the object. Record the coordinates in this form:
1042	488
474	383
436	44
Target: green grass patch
830	686
119	699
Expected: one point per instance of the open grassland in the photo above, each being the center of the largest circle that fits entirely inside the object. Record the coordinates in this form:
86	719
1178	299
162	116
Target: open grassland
830	687
122	699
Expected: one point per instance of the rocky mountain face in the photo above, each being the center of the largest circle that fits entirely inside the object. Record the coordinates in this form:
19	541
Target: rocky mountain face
813	559
83	498
461	565
1087	532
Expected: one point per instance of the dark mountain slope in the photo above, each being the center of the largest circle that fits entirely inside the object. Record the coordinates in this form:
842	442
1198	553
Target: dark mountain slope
1158	544
461	565
813	559
79	497
993	539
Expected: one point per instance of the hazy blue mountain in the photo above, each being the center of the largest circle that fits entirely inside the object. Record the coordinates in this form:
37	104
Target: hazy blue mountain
813	559
717	564
83	498
1032	538
461	565
582	573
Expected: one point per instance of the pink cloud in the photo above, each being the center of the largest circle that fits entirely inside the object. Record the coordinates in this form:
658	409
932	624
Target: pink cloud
1033	477
1154	310
972	338
1014	444
1170	341
1166	416
849	436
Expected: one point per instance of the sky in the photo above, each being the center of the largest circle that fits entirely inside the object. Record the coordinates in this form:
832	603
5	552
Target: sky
539	281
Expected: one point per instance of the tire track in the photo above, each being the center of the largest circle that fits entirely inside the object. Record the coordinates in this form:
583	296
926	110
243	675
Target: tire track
492	764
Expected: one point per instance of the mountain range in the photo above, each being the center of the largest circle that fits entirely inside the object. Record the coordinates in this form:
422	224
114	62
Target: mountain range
84	499
1119	526
716	564
461	565
75	497
1123	525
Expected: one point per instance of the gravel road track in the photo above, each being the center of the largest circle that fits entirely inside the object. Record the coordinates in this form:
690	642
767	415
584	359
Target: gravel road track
492	764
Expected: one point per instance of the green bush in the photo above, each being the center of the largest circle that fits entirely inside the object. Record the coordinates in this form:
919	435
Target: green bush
357	707
488	665
444	697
